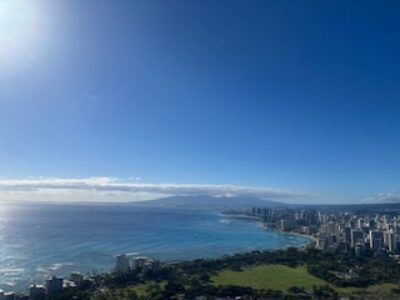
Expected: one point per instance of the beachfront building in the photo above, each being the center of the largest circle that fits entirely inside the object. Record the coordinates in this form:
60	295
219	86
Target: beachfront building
125	264
122	264
76	278
9	296
54	285
138	262
151	265
147	267
37	292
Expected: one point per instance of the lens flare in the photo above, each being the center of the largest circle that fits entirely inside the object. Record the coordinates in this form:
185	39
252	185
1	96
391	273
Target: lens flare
22	31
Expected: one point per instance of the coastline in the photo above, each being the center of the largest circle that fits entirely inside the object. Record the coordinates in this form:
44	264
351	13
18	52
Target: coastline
20	284
256	219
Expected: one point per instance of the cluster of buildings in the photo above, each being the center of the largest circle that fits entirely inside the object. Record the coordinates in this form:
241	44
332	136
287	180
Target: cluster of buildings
125	264
343	231
53	286
339	230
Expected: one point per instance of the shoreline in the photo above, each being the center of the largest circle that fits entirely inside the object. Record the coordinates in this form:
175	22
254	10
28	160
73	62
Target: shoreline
249	219
256	219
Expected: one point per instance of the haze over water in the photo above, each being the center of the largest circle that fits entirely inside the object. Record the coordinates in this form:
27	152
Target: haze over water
41	240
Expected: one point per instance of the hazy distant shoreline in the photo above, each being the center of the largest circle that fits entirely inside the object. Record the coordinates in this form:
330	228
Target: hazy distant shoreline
257	220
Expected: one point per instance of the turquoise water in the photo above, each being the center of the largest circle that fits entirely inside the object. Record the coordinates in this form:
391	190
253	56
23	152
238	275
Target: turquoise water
41	240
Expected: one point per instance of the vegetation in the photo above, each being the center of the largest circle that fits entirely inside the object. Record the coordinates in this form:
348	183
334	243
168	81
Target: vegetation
283	274
287	279
276	277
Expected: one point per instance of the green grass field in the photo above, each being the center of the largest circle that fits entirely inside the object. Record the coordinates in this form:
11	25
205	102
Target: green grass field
276	277
141	289
280	277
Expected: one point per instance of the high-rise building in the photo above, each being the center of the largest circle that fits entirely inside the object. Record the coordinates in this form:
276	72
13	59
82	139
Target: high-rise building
122	264
347	234
332	228
37	292
360	223
357	236
376	239
371	224
385	221
322	218
54	285
287	225
9	296
76	278
392	243
386	238
359	249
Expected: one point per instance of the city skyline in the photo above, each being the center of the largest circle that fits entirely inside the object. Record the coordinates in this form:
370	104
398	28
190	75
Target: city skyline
296	102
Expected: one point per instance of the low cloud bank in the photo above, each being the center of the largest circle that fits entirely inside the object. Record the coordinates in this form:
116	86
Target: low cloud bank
384	197
117	190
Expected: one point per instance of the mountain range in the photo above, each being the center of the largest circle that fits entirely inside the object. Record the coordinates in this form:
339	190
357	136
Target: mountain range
209	202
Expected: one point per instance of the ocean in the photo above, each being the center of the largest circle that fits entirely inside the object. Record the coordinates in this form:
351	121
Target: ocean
39	240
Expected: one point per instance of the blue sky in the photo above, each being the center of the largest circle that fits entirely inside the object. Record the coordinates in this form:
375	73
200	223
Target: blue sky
290	95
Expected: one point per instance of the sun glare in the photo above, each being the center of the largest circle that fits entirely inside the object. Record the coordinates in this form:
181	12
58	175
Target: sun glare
21	32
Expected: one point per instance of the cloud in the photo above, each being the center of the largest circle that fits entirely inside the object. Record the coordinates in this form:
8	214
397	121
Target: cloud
117	190
384	197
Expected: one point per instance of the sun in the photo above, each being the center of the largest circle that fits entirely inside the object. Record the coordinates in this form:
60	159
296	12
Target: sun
21	32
